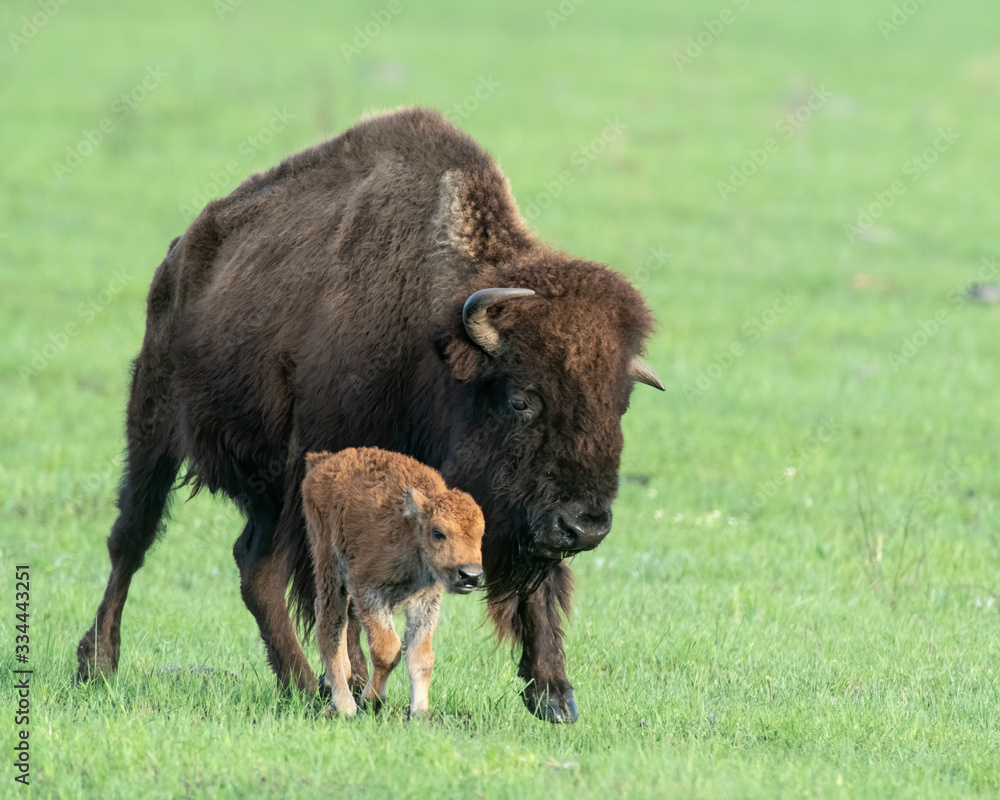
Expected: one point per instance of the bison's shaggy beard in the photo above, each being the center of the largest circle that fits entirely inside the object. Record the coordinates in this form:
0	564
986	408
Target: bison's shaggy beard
514	567
522	576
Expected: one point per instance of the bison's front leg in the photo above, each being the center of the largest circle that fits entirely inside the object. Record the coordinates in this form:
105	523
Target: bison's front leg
535	622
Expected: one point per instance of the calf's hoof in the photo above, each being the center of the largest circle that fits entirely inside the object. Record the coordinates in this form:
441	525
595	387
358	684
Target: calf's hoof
371	702
550	704
332	712
342	706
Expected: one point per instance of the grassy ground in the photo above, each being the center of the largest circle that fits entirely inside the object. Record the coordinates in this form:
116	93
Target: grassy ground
801	593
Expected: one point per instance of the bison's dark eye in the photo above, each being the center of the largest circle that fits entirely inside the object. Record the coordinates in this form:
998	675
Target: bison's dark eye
439	534
524	404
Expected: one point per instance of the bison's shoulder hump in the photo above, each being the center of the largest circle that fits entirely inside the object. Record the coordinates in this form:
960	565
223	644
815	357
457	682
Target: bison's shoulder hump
412	152
417	137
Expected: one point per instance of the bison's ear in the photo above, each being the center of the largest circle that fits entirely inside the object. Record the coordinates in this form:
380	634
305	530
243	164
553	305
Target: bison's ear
465	351
463	359
413	503
461	356
475	319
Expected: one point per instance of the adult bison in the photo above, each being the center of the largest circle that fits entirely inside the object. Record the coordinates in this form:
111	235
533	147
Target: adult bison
381	289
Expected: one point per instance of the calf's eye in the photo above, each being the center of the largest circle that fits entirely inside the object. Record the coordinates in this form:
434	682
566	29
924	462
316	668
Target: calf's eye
439	534
518	403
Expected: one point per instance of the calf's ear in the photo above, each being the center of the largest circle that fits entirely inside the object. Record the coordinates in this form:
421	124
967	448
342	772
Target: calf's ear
413	503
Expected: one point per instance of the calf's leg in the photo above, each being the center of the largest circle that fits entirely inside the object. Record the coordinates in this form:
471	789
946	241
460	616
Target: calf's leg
331	611
331	624
356	656
384	647
421	620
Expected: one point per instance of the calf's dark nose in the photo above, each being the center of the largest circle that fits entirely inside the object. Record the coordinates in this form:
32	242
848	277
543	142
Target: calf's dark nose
470	575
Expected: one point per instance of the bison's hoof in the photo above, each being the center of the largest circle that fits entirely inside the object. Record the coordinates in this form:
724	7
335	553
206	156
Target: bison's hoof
551	705
91	661
85	665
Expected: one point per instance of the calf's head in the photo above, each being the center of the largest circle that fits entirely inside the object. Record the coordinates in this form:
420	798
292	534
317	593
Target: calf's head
548	355
449	529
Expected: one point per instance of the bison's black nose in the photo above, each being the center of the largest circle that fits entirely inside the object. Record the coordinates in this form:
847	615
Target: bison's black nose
582	528
470	575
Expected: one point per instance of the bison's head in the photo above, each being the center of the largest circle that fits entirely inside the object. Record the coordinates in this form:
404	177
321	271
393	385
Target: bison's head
548	354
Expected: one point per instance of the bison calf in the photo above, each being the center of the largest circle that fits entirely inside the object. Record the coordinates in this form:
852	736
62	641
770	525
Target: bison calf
386	531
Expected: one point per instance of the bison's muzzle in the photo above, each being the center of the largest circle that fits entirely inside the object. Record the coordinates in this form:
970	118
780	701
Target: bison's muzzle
574	528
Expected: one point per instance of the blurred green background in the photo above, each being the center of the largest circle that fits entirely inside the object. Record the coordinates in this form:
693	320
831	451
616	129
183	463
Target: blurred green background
800	596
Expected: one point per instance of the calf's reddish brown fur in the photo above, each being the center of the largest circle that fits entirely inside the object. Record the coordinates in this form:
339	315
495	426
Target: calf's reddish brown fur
386	532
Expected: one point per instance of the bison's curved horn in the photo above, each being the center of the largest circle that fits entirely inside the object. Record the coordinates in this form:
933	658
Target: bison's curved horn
638	370
474	315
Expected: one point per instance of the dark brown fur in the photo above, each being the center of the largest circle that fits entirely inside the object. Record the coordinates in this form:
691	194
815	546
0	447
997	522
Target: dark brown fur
318	307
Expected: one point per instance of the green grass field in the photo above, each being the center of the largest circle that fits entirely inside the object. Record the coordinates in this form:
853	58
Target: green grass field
801	595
